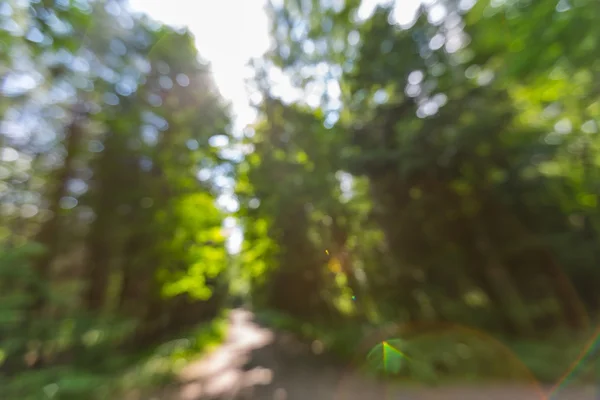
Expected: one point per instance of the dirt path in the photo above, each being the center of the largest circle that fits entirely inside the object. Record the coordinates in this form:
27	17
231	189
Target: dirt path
256	364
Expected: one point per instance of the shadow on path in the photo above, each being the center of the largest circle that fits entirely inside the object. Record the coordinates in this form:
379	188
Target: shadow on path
254	363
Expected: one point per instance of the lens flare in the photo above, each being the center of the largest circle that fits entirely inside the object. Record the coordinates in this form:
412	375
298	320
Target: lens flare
426	353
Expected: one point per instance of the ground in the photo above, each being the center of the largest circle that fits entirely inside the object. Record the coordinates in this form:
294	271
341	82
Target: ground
255	363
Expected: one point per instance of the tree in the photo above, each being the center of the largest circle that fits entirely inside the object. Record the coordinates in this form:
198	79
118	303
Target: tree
104	179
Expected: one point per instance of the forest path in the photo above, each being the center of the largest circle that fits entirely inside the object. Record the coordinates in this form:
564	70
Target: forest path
255	363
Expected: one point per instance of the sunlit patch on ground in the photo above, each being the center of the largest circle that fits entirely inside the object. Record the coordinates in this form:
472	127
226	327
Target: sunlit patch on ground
221	372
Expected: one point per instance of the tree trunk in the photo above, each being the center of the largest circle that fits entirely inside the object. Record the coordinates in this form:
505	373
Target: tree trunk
98	265
48	235
573	310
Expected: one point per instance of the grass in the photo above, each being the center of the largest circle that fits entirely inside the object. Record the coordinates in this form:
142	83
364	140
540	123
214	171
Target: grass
446	355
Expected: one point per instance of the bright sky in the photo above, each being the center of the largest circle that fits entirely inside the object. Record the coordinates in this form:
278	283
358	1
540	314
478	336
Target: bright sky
228	33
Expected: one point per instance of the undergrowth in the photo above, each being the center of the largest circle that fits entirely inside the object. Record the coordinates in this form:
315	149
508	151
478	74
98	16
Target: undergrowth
118	375
448	355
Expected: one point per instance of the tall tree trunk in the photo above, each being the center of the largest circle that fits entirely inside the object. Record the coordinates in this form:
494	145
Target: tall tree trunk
98	264
132	283
573	310
106	200
489	276
49	234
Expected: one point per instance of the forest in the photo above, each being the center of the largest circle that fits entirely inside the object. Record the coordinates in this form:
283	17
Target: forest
437	173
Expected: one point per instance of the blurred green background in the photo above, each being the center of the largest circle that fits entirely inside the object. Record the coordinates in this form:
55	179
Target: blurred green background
436	171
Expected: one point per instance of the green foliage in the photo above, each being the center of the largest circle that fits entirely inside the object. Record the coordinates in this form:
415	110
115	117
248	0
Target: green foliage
103	178
205	257
437	170
118	375
444	354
